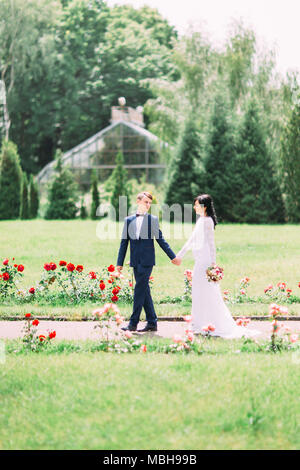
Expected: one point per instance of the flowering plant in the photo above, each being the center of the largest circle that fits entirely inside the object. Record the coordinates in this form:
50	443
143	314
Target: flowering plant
112	338
214	273
9	277
31	339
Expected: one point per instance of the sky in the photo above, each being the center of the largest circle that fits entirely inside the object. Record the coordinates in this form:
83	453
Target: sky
275	22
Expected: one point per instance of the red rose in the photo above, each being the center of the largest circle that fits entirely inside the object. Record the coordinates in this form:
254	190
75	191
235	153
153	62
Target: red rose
79	268
31	290
62	263
15	265
27	315
5	276
53	266
114	298
102	285
52	334
115	291
111	268
35	322
20	268
47	266
70	267
42	338
92	275
5	262
110	281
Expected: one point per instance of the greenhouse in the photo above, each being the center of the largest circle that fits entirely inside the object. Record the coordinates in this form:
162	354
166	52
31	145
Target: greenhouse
141	150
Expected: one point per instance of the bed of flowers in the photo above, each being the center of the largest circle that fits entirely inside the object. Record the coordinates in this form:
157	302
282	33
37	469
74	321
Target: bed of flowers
272	293
63	282
66	282
112	339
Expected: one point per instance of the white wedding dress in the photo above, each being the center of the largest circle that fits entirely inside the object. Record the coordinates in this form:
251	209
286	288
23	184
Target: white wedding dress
208	306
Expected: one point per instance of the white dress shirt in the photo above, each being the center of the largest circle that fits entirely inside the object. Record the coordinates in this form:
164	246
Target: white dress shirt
139	221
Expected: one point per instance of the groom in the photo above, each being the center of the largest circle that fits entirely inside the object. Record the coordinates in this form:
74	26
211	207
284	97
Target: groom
140	229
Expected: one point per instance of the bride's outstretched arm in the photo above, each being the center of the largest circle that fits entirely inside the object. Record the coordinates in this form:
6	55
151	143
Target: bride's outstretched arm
195	241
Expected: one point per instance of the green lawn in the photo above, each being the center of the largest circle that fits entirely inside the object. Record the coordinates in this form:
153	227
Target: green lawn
150	401
266	254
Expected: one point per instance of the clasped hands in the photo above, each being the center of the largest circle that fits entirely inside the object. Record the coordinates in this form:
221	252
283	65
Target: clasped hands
176	261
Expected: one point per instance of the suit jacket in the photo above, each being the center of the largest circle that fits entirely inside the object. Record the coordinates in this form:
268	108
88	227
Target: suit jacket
142	249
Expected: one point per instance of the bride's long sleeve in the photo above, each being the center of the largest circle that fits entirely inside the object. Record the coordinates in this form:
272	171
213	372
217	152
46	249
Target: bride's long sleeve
209	233
195	241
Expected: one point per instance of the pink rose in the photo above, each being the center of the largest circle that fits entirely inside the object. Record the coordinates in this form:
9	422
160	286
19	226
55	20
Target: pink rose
177	339
294	338
128	334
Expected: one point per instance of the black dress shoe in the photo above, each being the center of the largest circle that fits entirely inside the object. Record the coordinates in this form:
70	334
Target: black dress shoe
129	328
148	328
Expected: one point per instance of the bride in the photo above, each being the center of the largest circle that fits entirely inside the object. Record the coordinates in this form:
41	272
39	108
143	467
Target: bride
208	306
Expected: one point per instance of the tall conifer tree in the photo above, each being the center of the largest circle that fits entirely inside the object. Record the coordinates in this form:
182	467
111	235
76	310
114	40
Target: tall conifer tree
10	181
256	196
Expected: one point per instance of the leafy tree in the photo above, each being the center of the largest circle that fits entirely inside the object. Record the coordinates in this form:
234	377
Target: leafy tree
33	198
95	195
62	194
119	185
10	181
219	155
24	208
290	164
183	179
256	196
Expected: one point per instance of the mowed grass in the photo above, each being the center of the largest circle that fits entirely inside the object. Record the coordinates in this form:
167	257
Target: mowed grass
264	253
150	401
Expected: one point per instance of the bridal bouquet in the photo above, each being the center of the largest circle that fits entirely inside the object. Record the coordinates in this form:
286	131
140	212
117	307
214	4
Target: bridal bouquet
214	273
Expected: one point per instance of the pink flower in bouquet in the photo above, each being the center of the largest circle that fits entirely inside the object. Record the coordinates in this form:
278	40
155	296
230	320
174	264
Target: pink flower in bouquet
6	261
242	292
294	338
187	318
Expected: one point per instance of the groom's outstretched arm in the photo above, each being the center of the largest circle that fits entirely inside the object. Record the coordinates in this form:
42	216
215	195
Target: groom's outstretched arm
123	244
161	241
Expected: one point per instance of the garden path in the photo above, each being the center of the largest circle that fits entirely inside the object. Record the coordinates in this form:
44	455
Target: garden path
86	329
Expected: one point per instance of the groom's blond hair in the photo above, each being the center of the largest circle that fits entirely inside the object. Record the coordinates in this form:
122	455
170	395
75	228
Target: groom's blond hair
143	194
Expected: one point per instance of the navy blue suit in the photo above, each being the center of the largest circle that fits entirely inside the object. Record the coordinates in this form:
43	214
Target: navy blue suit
142	259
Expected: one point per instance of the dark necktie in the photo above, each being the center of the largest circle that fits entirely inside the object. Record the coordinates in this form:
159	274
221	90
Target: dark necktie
140	215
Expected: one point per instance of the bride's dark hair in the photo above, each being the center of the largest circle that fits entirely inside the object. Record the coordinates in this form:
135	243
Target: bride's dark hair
207	201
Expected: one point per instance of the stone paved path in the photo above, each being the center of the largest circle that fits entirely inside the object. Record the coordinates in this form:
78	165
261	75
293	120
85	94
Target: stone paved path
86	330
